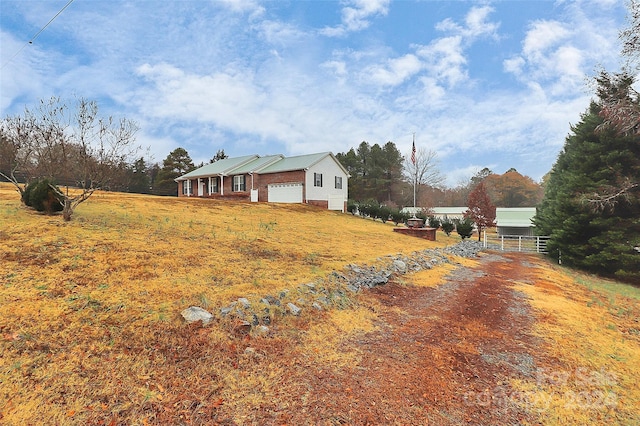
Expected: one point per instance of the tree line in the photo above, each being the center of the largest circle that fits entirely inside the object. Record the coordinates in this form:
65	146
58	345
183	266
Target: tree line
383	174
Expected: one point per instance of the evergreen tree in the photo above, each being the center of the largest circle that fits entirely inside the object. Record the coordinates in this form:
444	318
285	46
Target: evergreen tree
177	163
464	227
584	235
140	181
392	172
220	155
375	172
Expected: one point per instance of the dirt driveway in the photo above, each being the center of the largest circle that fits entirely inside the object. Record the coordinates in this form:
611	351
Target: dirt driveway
444	355
441	355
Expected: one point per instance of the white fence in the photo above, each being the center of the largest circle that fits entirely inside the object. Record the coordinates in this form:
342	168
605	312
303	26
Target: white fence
524	243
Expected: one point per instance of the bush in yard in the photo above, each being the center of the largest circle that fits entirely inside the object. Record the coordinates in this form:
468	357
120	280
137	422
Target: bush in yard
398	217
40	196
464	227
374	210
352	207
27	193
369	208
434	222
447	226
384	213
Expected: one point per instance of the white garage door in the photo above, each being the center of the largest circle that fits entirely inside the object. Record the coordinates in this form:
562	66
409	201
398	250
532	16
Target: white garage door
285	193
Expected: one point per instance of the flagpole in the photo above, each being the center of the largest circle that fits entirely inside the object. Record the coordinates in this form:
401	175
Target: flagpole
415	171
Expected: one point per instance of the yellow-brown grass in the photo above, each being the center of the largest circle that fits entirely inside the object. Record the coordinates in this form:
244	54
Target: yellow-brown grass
89	309
90	331
592	335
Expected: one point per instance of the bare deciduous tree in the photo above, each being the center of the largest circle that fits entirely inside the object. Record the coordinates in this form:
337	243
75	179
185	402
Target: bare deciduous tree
421	170
76	148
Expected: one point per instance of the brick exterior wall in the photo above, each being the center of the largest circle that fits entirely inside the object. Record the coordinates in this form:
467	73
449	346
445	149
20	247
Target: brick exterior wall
229	194
319	203
262	182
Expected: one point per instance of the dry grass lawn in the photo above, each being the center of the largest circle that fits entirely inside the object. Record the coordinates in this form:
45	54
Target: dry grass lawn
90	308
91	332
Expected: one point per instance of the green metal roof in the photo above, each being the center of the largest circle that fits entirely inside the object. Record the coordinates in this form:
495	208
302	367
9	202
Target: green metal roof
449	210
518	217
257	164
220	167
299	162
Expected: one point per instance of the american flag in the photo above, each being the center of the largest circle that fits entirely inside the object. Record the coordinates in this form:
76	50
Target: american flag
413	153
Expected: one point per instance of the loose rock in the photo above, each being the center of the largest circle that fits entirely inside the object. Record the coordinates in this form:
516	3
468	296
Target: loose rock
293	309
196	313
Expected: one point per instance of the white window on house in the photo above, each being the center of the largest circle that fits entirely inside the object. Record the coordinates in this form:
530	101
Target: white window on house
317	179
186	187
239	183
338	182
213	185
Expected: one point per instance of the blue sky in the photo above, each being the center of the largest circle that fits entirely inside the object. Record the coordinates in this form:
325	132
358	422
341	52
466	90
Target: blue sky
483	84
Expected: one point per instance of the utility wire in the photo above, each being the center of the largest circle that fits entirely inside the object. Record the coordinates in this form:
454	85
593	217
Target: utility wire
37	34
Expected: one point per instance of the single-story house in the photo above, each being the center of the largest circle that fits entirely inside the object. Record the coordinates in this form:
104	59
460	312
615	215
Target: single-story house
317	179
515	220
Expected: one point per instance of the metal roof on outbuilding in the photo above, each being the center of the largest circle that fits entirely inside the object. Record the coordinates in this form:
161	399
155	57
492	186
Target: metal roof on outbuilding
515	217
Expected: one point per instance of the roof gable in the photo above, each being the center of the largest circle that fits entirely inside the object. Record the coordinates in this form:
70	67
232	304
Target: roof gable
257	164
299	162
220	167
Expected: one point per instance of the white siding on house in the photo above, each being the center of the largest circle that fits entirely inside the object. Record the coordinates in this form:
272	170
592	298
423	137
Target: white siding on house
328	191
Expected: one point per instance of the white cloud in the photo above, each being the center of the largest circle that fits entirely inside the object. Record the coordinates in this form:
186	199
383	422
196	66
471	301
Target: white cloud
356	16
542	36
20	76
280	33
558	55
444	59
475	24
396	71
243	6
339	68
514	65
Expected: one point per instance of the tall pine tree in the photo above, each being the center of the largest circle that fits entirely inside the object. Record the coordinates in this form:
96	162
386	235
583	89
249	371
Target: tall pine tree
177	163
600	240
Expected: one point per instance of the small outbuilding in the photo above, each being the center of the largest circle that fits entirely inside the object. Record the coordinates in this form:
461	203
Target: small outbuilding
441	213
515	220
